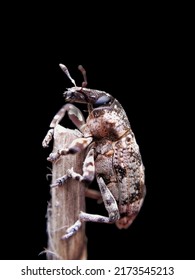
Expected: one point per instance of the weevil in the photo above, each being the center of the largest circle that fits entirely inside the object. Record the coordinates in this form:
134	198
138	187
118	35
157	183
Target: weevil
113	155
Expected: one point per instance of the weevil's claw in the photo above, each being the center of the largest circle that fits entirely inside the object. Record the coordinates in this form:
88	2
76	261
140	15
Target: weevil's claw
53	157
72	230
60	181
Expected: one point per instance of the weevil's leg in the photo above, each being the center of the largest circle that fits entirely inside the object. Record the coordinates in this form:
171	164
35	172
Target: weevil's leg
93	194
76	146
88	171
72	230
60	181
48	138
111	207
74	114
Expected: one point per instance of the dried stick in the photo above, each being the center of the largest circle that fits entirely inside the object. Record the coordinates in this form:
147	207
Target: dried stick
66	202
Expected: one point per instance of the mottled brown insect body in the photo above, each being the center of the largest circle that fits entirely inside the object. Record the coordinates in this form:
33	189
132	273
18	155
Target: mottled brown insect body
113	154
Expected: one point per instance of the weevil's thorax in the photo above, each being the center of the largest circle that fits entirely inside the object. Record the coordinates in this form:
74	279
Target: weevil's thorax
108	121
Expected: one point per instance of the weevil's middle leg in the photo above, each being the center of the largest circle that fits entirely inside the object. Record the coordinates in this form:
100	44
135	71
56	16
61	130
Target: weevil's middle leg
88	171
76	146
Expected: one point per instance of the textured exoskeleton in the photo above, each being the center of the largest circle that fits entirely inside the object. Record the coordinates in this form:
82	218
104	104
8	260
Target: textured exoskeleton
113	155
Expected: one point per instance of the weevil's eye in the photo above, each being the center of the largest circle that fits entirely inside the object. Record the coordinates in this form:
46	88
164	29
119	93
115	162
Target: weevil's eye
102	100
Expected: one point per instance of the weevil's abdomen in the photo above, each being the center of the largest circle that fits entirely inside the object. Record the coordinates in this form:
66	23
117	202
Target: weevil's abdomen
128	166
127	163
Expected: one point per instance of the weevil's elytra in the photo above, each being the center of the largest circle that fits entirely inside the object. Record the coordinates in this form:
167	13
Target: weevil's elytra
113	155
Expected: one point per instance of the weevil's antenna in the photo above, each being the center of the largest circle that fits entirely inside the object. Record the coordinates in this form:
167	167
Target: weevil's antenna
84	83
65	70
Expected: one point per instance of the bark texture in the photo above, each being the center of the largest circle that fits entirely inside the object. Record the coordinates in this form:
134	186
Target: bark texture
66	202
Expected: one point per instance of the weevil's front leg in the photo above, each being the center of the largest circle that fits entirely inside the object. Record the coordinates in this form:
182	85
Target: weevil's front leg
76	146
88	172
74	115
48	138
111	207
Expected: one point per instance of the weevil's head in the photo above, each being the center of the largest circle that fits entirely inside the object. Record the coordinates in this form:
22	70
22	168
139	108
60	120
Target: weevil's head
85	95
88	96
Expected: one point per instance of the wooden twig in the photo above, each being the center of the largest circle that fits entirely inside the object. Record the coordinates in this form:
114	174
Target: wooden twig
66	202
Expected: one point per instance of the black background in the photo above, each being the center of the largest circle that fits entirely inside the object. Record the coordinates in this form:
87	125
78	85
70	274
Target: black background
141	62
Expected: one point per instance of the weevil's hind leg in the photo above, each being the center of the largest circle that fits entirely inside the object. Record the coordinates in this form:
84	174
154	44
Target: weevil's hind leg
90	193
111	207
88	171
109	201
74	114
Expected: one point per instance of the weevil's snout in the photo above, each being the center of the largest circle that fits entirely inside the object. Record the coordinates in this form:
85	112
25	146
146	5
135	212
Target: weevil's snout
68	95
88	96
74	95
